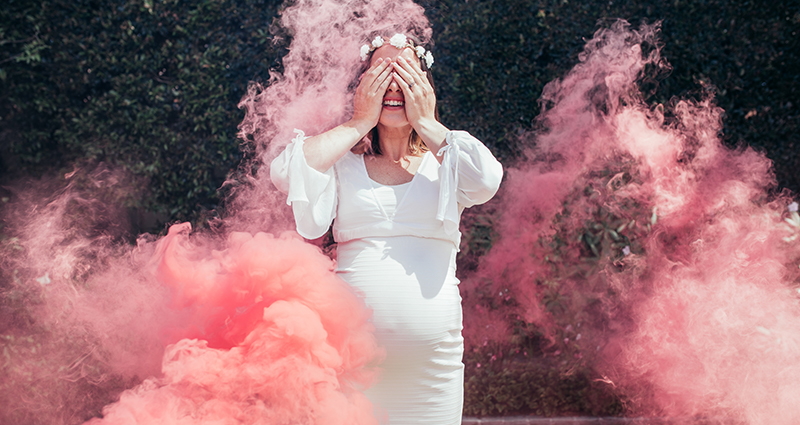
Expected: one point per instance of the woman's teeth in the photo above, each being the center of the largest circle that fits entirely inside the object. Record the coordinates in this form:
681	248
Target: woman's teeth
393	103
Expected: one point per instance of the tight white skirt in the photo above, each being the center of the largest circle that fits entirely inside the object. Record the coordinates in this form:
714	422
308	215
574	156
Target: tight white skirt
410	284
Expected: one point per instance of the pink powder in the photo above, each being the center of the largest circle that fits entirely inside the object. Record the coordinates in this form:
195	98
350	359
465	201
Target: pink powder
690	310
660	247
281	338
234	325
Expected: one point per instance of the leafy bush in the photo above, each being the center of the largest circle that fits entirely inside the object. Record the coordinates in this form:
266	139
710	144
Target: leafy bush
151	87
514	381
494	58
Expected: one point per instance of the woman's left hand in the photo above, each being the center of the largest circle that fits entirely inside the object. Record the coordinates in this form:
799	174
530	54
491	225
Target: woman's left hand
420	99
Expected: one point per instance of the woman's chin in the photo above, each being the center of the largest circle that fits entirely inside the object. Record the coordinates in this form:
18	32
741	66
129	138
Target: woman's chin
391	119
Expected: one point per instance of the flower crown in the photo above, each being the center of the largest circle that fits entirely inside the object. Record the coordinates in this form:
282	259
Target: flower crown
399	41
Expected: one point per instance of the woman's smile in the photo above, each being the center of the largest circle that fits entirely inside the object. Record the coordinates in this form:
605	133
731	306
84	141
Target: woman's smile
394	103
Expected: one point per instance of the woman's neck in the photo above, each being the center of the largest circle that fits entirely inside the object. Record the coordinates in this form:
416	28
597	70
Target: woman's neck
394	141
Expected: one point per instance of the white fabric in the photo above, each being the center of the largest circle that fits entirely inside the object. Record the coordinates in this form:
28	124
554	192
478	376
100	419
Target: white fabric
312	194
410	285
389	197
397	246
469	175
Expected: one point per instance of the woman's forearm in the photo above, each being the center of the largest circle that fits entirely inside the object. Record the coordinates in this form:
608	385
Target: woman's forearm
433	133
323	150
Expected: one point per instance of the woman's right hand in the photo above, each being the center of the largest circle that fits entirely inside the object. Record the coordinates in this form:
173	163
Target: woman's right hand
368	100
323	150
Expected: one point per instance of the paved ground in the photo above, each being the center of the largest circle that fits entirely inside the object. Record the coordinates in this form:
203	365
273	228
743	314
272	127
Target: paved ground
532	420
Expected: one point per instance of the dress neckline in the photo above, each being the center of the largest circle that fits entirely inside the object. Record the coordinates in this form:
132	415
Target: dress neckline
373	185
364	167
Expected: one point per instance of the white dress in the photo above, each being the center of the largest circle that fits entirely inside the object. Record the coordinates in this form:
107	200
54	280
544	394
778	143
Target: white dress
397	245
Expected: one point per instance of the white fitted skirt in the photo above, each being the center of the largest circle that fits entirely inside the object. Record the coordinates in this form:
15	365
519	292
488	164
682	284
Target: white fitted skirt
411	287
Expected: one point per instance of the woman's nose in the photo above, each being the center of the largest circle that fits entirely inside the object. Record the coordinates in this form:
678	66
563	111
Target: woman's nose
393	86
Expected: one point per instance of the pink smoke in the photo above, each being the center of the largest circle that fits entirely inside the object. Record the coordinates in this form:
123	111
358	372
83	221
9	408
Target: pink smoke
314	92
239	327
280	340
230	325
640	245
646	249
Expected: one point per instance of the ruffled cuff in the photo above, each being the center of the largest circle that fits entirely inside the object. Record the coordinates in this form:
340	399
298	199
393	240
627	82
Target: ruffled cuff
447	211
469	175
312	194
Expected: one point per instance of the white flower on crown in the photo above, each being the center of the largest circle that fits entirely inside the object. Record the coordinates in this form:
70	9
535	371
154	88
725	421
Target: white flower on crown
399	41
428	59
364	52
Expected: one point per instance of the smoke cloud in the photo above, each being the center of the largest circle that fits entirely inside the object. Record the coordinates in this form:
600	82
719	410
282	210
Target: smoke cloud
279	338
230	325
314	91
631	237
641	246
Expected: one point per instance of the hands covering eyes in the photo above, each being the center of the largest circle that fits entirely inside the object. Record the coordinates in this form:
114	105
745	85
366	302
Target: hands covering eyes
368	100
420	100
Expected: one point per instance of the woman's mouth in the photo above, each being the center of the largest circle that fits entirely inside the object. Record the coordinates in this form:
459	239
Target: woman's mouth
393	103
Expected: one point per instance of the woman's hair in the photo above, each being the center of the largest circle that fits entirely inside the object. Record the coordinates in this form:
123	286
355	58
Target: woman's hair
415	143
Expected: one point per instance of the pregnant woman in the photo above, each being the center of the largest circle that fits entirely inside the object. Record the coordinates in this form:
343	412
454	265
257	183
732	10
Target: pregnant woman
393	181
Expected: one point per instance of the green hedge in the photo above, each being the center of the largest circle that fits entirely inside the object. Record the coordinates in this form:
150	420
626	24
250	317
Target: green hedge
153	86
494	58
149	86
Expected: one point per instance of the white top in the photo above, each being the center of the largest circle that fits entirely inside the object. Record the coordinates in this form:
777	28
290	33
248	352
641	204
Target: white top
430	207
389	196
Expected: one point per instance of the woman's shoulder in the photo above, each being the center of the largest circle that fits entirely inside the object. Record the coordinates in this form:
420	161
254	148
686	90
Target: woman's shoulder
429	162
349	164
350	158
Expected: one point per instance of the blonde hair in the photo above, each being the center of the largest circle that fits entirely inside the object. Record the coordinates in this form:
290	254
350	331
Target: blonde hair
373	145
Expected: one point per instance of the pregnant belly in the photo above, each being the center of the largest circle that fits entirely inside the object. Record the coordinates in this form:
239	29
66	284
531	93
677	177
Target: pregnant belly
410	285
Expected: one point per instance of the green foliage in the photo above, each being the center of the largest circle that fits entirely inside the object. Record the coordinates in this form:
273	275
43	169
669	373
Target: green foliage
476	240
579	291
516	381
151	87
494	57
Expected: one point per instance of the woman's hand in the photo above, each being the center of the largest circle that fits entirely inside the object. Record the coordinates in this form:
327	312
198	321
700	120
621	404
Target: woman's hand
323	150
368	100
420	98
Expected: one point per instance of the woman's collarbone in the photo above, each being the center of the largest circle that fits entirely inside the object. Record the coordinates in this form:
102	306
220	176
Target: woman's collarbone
387	171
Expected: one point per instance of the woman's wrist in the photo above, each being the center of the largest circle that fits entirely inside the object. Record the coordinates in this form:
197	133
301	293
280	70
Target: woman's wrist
361	126
432	132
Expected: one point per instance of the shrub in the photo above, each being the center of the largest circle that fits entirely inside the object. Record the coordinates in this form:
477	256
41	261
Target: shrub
151	87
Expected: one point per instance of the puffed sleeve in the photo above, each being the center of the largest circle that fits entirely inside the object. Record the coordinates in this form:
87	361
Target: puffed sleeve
469	175
311	194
